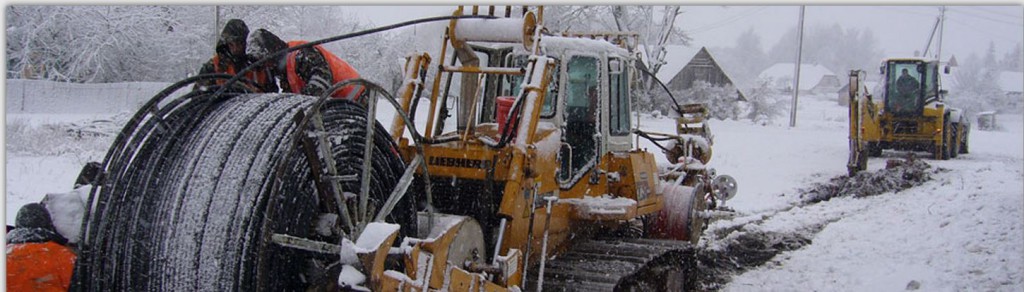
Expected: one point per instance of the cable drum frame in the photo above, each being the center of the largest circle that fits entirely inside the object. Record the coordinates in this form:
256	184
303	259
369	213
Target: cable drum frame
150	121
312	117
147	121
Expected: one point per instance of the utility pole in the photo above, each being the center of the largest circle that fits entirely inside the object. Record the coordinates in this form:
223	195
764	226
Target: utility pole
796	71
942	24
216	23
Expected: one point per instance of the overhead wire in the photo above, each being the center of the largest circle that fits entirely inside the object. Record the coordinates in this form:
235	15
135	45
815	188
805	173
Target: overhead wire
721	23
986	32
905	10
955	19
978	16
995	12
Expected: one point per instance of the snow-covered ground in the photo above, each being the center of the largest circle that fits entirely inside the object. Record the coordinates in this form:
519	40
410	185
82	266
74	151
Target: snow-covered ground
964	230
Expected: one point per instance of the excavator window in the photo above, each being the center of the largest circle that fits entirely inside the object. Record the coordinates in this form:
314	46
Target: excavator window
581	112
931	78
904	88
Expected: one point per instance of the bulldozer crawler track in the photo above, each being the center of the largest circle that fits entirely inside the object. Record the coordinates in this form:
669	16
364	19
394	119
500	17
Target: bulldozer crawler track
613	265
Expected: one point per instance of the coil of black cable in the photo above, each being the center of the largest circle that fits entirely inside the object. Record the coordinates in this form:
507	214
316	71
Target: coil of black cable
193	199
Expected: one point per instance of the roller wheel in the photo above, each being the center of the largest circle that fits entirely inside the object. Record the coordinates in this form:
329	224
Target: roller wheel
680	218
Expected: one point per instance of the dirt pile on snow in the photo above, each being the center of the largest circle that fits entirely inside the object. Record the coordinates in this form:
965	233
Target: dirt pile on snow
898	175
709	269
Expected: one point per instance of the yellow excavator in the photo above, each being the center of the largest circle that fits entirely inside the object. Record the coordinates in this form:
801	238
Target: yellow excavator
911	114
526	176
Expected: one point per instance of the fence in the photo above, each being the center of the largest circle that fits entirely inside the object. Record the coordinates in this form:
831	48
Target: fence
40	96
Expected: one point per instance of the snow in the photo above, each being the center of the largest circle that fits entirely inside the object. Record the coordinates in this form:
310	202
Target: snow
375	234
556	43
959	232
350	277
604	204
964	230
548	146
490	30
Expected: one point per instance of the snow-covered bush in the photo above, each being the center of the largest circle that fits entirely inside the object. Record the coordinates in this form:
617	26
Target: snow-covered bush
721	101
762	104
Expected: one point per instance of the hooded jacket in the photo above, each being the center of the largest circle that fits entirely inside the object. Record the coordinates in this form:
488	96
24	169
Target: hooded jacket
223	61
37	259
309	71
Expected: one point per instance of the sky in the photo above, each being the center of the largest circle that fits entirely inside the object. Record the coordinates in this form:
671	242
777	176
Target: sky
899	30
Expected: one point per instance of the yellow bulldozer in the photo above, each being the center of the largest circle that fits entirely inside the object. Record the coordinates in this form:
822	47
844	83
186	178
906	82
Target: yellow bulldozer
911	114
526	176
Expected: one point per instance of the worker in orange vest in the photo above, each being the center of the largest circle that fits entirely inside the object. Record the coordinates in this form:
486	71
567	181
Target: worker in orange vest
37	258
230	58
309	71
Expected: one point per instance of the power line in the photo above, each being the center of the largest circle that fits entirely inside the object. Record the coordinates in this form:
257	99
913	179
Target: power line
986	32
972	14
720	24
893	8
982	8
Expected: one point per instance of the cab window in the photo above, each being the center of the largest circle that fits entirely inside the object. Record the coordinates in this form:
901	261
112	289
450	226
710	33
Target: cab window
618	97
515	82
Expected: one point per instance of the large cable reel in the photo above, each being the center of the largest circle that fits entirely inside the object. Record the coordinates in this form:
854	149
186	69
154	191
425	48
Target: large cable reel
196	188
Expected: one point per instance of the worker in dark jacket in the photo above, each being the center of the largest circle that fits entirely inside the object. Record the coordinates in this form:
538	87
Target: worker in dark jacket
309	71
37	258
230	57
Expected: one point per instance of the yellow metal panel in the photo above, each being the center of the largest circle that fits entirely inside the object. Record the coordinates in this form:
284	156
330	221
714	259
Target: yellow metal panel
491	287
459	280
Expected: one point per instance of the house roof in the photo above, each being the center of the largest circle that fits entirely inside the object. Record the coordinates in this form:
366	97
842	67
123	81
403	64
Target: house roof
810	75
676	57
1010	81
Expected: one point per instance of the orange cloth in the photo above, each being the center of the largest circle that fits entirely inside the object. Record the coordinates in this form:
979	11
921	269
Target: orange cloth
340	71
257	76
43	266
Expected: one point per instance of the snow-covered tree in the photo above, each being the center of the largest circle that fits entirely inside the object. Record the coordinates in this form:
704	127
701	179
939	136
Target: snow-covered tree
103	43
989	60
164	43
744	61
763	104
721	101
1014	59
977	87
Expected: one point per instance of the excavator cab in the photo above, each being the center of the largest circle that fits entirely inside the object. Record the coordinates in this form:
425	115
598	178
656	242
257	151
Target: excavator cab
909	85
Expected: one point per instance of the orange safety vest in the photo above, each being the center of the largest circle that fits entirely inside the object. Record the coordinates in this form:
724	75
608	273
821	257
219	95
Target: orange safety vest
340	71
259	76
45	266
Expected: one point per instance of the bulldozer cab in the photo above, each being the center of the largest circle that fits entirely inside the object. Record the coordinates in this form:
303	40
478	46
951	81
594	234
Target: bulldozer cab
909	85
583	85
583	82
